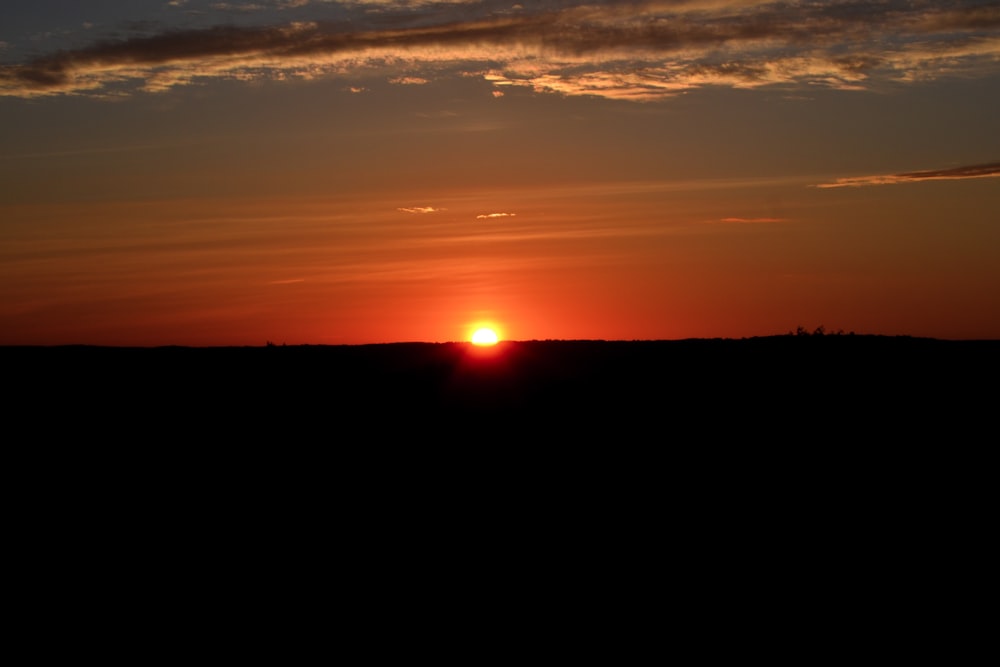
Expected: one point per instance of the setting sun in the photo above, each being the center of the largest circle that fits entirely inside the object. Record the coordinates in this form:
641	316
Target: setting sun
484	336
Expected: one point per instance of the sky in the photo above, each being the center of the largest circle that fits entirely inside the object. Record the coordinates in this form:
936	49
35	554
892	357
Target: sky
191	172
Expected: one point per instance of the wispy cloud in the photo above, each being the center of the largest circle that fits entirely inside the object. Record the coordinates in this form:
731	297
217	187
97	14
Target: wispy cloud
408	80
990	170
420	209
625	50
752	220
487	216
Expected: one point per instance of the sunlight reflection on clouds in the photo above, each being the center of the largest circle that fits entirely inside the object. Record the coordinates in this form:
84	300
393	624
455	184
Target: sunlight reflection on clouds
629	51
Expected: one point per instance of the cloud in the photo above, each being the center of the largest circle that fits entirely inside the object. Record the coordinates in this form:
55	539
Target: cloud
638	51
408	80
752	220
421	209
989	170
486	216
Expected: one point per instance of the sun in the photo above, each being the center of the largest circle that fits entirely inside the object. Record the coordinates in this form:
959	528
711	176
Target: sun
484	336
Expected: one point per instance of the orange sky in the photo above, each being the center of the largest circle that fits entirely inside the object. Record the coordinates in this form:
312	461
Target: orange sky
415	196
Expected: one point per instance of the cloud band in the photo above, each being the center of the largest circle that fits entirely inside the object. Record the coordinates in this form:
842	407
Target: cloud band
625	50
956	173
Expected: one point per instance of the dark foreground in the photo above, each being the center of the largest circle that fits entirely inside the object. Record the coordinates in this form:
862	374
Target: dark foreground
776	388
782	494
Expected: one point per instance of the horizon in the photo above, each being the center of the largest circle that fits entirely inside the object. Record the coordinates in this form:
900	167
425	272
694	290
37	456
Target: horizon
507	342
360	172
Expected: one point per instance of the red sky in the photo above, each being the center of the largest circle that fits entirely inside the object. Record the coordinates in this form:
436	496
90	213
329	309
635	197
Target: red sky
357	172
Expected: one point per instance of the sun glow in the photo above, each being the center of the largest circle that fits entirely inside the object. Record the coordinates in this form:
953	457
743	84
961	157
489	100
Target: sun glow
484	336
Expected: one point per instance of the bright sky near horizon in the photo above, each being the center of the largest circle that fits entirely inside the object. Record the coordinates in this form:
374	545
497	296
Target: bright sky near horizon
191	172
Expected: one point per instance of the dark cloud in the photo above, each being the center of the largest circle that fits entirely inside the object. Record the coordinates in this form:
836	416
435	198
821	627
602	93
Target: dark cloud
631	50
988	170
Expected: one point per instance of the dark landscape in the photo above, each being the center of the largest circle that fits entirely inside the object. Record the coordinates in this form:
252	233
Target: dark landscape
810	387
830	466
